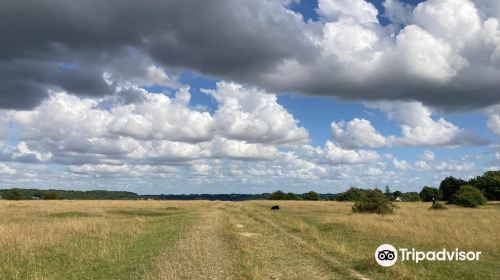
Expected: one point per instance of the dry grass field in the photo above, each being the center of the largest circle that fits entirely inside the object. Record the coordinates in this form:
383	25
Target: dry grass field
244	240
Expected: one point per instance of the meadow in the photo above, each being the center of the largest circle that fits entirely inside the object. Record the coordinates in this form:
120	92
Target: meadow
243	240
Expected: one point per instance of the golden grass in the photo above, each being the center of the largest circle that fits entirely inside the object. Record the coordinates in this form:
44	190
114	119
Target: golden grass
245	240
353	238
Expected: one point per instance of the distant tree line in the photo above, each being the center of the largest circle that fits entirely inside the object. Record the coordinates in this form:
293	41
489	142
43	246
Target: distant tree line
22	194
471	193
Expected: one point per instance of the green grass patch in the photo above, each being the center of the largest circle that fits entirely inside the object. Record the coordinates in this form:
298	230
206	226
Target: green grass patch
141	213
71	214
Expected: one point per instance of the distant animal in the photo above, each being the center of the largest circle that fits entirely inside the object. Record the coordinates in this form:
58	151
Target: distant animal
275	208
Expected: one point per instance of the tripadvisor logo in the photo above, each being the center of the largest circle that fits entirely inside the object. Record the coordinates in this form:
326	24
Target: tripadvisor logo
387	255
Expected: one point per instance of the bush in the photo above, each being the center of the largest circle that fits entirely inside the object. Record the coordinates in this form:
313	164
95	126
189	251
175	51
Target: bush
277	195
50	195
428	193
14	194
489	184
373	201
352	194
311	196
468	196
449	186
410	197
438	206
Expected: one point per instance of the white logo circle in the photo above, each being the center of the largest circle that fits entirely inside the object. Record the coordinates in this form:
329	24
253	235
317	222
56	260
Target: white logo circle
386	255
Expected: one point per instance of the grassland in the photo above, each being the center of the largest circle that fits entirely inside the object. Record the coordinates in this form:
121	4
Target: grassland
244	240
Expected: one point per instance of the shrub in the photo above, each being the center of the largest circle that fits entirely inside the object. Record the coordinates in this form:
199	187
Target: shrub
373	201
449	186
311	196
277	195
489	184
351	194
468	196
14	194
410	196
50	195
428	193
438	206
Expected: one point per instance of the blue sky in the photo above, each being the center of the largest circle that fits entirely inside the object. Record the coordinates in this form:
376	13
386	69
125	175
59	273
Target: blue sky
353	93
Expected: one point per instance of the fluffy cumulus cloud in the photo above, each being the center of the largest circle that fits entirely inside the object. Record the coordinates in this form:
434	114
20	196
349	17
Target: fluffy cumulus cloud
358	133
418	128
93	90
155	127
253	115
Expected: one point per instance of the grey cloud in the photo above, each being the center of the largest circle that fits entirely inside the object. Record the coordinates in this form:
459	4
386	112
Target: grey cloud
221	38
243	41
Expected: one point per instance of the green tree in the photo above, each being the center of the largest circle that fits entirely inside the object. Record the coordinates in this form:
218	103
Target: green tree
352	194
373	201
311	196
50	195
489	184
449	186
292	196
469	196
410	196
428	193
397	194
277	195
388	193
14	194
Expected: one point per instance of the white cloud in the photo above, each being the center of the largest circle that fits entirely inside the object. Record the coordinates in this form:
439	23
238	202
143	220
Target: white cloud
427	156
494	119
356	10
454	166
418	128
401	164
427	57
398	12
6	170
253	115
456	21
421	165
23	153
154	128
357	133
333	154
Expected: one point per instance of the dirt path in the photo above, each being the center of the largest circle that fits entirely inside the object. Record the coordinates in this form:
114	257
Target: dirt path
202	253
273	253
312	250
235	241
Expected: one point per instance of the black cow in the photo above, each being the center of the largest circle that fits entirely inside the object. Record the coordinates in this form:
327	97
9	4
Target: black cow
275	208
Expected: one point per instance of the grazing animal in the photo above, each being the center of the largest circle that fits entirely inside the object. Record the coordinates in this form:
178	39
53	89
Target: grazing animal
275	208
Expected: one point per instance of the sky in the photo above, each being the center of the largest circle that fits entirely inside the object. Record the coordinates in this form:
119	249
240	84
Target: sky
236	96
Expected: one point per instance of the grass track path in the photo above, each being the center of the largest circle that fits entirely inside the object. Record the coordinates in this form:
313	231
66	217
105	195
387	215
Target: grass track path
274	253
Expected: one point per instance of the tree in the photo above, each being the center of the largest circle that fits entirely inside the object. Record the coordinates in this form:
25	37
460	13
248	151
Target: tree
277	195
373	201
14	194
449	186
397	194
469	196
410	196
388	192
489	184
292	196
50	195
311	196
351	194
428	193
